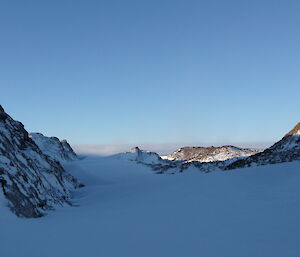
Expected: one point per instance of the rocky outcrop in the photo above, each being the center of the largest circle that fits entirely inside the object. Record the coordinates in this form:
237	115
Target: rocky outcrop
295	131
141	156
207	159
31	181
59	150
285	150
210	154
154	161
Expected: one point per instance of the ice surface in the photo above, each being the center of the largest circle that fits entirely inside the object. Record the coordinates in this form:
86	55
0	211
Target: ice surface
126	210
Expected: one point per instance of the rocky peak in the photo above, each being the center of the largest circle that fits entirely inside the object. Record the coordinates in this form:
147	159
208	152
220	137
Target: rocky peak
285	150
294	131
59	150
3	115
31	182
140	156
135	149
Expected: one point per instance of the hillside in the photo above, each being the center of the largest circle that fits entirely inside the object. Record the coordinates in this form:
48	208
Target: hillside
57	149
285	150
31	182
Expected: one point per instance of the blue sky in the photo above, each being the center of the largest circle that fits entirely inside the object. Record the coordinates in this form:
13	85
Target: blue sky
159	72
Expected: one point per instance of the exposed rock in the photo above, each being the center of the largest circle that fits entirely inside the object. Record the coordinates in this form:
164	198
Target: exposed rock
210	154
154	161
294	131
59	150
141	156
31	181
208	159
285	150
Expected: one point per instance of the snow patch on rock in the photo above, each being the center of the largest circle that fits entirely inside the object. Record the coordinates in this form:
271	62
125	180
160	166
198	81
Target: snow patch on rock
59	150
210	154
30	181
285	150
142	156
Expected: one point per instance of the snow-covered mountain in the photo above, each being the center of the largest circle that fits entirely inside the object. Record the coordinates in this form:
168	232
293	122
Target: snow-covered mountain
59	150
31	182
210	154
285	150
249	212
230	157
141	156
207	159
152	160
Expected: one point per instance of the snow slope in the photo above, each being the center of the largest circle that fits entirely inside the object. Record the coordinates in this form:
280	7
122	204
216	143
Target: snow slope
127	210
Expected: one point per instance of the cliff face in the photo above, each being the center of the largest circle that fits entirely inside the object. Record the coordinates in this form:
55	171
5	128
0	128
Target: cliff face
31	181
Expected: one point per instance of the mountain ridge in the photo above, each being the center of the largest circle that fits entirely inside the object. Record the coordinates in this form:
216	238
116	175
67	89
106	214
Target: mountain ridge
31	182
210	154
57	149
294	131
285	150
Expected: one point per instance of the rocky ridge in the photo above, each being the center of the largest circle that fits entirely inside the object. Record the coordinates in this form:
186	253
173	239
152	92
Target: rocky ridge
31	181
59	150
210	154
208	159
285	150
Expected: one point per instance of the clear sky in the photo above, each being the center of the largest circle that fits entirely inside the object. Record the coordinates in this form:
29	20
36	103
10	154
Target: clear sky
159	72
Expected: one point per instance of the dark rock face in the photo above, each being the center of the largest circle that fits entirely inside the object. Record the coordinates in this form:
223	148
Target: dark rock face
285	150
31	181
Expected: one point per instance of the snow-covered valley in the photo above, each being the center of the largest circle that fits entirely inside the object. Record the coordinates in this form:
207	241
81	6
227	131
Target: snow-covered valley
231	202
149	128
127	210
